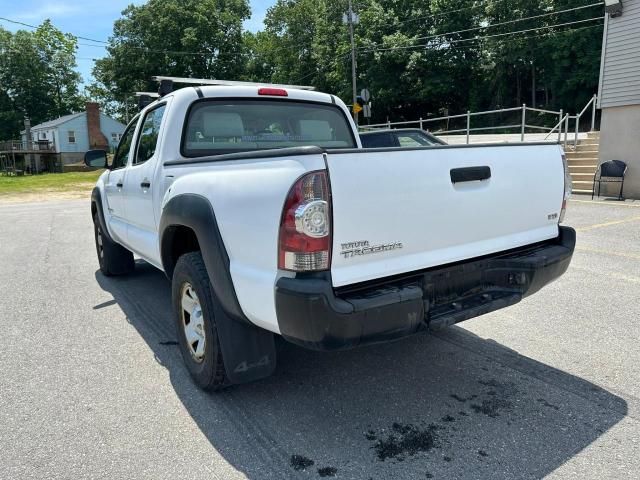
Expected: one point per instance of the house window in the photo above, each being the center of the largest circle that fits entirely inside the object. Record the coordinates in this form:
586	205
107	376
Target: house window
115	137
72	136
43	136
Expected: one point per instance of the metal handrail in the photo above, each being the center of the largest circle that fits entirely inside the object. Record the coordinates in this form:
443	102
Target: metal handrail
558	125
562	119
543	111
448	117
593	102
537	127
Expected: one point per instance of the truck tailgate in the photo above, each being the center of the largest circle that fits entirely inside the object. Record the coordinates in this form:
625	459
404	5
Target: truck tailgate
395	211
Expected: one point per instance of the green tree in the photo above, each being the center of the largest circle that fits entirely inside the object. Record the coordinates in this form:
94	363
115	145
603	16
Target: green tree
37	77
185	38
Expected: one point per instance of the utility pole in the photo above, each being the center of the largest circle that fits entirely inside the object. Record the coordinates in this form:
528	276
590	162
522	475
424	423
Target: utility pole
350	19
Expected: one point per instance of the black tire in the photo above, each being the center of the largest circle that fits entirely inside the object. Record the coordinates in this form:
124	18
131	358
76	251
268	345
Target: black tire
208	372
113	258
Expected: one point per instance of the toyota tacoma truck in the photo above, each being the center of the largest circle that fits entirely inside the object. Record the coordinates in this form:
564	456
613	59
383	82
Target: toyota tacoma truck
269	218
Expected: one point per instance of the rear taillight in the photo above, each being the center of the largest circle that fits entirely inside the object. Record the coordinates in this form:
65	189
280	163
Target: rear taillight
567	188
305	227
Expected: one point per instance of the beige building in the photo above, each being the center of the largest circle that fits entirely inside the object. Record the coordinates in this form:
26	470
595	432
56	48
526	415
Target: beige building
619	92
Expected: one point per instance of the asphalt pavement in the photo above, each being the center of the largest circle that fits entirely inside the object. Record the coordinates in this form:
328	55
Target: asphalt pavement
92	384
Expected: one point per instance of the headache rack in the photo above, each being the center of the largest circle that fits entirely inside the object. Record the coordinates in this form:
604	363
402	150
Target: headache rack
166	83
165	86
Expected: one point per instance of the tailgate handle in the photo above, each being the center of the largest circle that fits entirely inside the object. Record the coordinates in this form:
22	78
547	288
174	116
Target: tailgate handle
469	174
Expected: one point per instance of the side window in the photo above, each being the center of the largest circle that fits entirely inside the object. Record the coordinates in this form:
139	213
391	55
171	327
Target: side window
72	136
415	139
122	152
409	141
148	138
378	140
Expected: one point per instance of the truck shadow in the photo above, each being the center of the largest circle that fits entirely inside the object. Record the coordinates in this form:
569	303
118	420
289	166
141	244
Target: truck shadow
448	405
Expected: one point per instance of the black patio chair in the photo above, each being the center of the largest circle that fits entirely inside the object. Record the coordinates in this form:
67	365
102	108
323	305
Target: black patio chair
611	171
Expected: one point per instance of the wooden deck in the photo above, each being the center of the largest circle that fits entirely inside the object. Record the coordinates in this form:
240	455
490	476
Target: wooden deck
17	157
18	147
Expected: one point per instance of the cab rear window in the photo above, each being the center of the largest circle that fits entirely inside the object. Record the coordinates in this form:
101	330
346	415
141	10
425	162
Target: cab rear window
216	127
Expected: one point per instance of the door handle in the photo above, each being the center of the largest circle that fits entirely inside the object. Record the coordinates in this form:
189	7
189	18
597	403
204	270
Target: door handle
119	184
469	174
145	184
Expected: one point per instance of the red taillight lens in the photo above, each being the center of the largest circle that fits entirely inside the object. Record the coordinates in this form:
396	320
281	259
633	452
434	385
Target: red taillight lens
305	227
277	92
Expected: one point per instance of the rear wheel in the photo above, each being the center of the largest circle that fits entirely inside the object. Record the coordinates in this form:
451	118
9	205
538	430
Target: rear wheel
195	323
113	258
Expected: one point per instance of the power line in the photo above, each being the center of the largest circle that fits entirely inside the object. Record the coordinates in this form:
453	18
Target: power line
568	30
425	45
333	62
439	14
106	44
172	52
508	22
36	27
557	32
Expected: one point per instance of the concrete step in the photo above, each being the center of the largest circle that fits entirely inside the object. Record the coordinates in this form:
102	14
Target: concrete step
594	134
582	155
583	168
589	141
576	177
575	162
581	190
581	184
583	152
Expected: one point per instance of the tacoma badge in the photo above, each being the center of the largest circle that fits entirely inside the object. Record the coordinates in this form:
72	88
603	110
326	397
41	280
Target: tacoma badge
362	247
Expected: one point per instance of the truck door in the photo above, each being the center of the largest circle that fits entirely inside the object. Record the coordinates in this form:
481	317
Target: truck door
140	184
114	186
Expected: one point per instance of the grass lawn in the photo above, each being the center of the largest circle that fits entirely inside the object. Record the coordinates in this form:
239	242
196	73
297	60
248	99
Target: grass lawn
49	182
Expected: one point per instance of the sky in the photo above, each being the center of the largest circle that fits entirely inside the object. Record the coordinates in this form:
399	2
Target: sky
92	19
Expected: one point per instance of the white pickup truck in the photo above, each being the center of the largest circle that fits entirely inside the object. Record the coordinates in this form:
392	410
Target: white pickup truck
269	218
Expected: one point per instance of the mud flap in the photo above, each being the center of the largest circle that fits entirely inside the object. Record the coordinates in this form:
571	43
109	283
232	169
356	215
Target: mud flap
249	352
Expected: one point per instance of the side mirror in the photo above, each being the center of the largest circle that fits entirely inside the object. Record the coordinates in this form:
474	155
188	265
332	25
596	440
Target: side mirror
96	159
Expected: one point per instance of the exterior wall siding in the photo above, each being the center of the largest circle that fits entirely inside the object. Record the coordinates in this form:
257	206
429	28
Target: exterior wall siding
619	140
620	69
108	127
79	127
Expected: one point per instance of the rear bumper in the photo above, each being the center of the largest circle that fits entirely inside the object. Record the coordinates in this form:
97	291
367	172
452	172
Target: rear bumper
313	314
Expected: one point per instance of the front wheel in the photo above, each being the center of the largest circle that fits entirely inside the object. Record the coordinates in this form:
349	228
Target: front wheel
195	322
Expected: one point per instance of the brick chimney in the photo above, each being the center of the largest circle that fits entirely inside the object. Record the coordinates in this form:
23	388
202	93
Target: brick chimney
97	141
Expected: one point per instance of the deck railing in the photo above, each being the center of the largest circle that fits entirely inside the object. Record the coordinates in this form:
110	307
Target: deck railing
18	146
